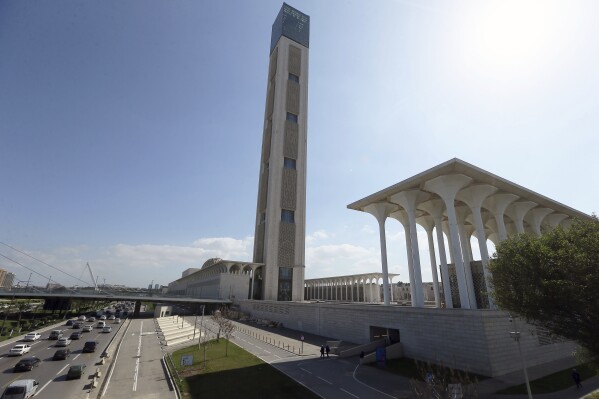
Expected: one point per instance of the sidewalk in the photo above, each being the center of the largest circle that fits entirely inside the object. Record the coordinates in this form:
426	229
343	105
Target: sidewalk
398	386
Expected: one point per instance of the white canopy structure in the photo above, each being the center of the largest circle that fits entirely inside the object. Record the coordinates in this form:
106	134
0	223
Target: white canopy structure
460	200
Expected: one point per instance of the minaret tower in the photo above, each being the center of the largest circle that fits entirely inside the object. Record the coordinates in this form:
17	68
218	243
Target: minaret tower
279	240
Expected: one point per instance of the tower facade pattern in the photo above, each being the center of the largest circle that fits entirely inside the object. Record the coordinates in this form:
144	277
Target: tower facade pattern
279	240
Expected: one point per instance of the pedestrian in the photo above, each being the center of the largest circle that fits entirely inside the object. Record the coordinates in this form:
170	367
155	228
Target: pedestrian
576	378
328	350
321	351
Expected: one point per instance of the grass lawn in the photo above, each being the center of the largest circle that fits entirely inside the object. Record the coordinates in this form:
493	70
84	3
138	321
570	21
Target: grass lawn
554	382
238	375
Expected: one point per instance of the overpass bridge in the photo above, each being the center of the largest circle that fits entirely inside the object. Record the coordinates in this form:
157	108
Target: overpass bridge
66	296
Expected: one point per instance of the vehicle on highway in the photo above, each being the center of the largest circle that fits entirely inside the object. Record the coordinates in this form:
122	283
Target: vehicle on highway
34	336
61	354
88	328
101	324
63	342
117	321
19	350
90	346
70	322
55	334
77	325
112	317
20	389
91	319
27	364
102	317
75	371
107	329
82	317
75	335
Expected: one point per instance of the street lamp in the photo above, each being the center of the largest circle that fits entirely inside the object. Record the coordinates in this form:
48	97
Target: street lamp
516	336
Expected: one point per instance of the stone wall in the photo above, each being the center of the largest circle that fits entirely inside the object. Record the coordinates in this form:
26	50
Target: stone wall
474	340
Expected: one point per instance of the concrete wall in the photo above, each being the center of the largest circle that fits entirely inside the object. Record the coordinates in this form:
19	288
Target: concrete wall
475	340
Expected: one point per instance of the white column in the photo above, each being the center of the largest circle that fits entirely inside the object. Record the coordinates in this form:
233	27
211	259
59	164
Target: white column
473	197
461	213
497	204
535	218
428	223
391	286
447	187
402	217
380	211
517	210
409	201
554	219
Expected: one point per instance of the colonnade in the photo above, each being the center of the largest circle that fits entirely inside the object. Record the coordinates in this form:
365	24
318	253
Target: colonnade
457	207
353	288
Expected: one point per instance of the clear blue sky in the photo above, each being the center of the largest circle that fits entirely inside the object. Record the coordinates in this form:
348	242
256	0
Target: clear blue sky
130	131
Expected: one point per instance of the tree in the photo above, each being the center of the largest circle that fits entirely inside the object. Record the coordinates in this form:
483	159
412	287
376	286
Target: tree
553	280
225	326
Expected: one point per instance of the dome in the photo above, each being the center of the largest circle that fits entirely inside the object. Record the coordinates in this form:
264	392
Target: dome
210	262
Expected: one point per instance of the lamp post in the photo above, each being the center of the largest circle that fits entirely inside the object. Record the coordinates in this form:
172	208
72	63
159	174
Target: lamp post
516	336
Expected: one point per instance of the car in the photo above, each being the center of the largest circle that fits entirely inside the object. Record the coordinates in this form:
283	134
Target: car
88	328
63	342
27	364
75	335
90	346
19	350
102	317
107	329
117	321
77	326
55	334
70	322
34	336
61	354
112	317
82	317
75	371
91	319
101	324
20	389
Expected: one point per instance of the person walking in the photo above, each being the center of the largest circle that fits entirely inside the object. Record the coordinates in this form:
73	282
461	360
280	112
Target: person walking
328	350
576	378
321	351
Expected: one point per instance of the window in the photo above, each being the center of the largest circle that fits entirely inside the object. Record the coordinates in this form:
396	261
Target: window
294	78
262	218
287	216
291	117
289	163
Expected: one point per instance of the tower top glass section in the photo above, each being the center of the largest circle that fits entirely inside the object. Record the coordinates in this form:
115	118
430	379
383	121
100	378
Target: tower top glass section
292	24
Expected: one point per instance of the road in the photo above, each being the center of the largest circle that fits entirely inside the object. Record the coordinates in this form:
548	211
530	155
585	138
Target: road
138	370
51	374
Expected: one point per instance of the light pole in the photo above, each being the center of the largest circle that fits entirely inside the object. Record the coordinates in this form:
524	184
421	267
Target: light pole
516	336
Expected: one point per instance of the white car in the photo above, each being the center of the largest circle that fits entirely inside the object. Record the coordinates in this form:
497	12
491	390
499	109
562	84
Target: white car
111	317
82	318
19	350
63	342
88	328
102	317
34	336
117	321
107	329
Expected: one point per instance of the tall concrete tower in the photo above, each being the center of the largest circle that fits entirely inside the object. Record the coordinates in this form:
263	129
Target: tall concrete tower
279	240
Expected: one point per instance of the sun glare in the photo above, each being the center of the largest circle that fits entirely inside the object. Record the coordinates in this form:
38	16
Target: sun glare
512	36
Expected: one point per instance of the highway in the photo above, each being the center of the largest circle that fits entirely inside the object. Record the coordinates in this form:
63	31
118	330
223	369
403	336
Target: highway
51	374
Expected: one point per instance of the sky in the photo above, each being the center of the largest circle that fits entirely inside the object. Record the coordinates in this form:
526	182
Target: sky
130	131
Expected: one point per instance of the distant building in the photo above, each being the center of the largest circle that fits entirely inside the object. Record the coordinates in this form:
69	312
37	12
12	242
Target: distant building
6	279
217	279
